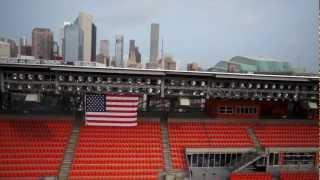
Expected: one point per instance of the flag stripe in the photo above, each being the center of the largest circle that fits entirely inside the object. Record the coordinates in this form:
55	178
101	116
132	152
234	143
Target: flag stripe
112	124
119	119
119	114
122	98
122	109
111	103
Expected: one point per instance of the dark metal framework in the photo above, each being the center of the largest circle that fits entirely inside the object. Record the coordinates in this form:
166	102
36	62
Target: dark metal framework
165	84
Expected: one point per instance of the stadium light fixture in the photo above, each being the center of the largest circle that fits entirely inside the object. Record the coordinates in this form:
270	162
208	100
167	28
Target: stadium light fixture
148	81
182	83
40	77
8	86
119	90
242	86
60	78
150	90
203	83
159	82
99	79
138	81
274	86
289	86
109	80
59	88
20	87
130	90
295	97
80	78
172	82
181	93
14	76
281	86
30	77
266	86
21	76
193	83
70	78
258	86
42	87
169	91
89	79
233	85
98	88
250	85
279	95
195	93
29	86
88	88
78	88
158	91
70	88
118	80
202	93
130	81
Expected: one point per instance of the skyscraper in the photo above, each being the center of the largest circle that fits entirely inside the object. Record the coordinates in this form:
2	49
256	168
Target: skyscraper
104	48
94	42
73	43
131	47
84	21
154	43
4	49
119	51
137	54
42	41
103	56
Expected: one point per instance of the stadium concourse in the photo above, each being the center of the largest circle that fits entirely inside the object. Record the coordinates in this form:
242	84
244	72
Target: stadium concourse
69	122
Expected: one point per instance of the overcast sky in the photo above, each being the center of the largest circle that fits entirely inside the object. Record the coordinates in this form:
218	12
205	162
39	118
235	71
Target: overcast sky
202	31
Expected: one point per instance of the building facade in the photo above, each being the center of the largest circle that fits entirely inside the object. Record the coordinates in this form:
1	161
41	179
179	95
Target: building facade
4	49
104	48
131	47
84	21
154	43
193	67
119	51
42	43
73	43
94	42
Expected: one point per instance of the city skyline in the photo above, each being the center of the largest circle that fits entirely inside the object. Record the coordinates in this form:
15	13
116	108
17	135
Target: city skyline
248	28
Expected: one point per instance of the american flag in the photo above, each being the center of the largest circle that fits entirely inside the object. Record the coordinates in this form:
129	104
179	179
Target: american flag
111	110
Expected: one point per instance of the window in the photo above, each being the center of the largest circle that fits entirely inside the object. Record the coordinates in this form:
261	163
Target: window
225	110
298	158
246	110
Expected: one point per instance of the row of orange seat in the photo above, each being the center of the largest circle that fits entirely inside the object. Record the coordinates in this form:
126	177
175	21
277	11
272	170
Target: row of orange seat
299	176
200	135
30	149
251	176
119	153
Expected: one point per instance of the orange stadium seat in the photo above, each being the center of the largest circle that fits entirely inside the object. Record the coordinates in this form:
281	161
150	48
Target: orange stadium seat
251	176
197	134
119	152
280	135
32	148
299	176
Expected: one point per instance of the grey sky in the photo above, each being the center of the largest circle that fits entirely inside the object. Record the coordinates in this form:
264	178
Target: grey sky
203	31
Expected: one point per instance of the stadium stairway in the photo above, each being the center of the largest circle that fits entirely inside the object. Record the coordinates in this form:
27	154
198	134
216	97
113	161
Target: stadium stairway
69	153
251	157
255	140
166	143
